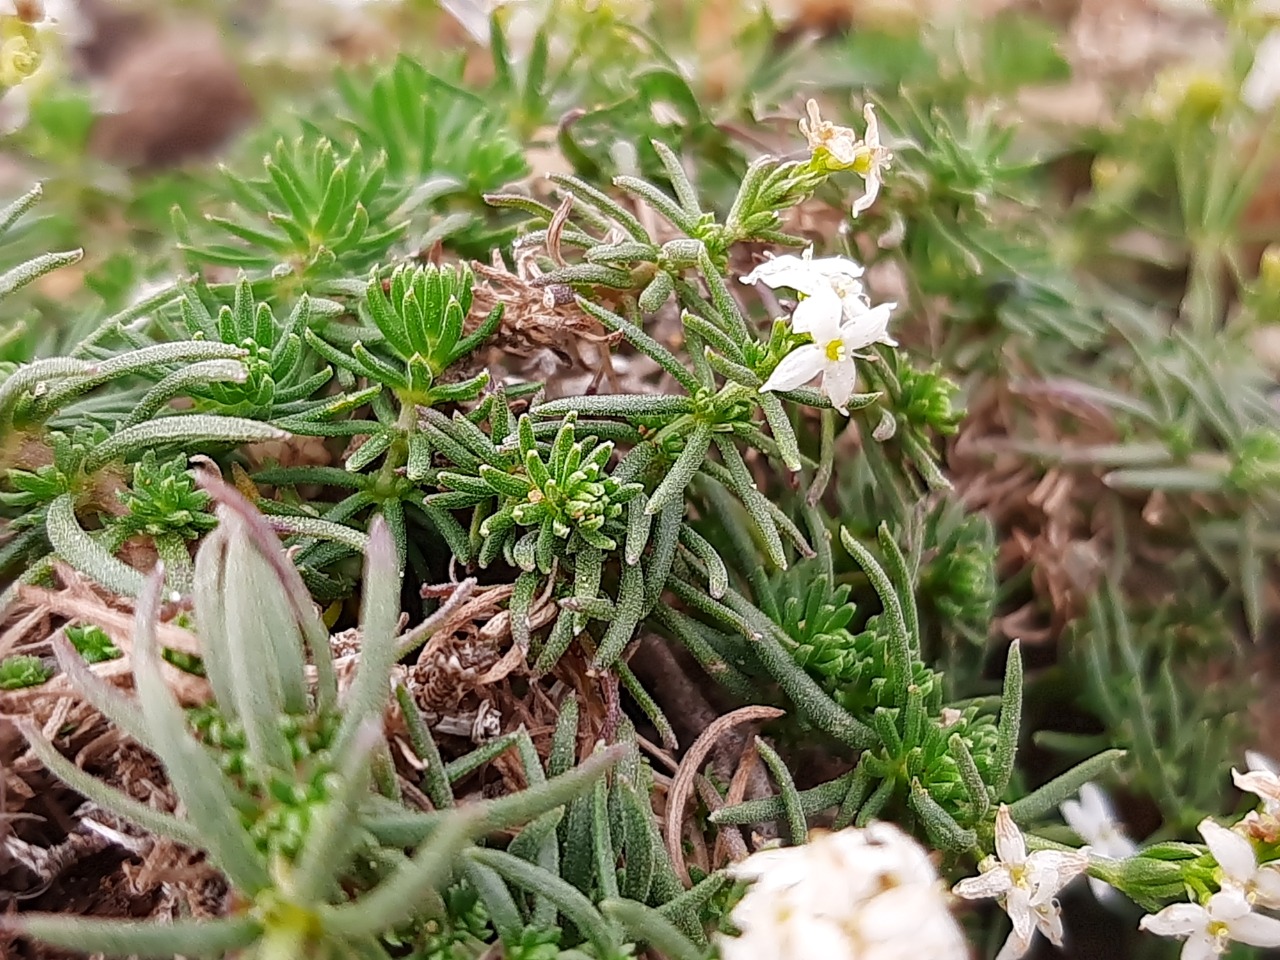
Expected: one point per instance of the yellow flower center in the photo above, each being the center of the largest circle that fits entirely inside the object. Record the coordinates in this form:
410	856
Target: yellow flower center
1218	930
835	350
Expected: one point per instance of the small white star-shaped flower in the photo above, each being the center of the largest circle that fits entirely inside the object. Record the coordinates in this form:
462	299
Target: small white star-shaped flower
834	310
1094	820
872	163
1026	885
1240	868
1209	929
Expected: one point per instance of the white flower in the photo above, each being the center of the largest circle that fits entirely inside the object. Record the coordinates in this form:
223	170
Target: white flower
1026	885
835	311
1261	87
1093	819
868	894
872	163
840	144
1239	863
1210	929
1260	779
838	148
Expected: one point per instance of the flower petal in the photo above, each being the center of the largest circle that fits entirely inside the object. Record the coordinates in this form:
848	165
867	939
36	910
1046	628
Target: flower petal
993	883
1261	87
1103	892
866	327
1010	846
1057	867
1176	920
1266	886
1256	930
1229	904
837	268
789	271
1259	762
1095	803
818	315
1049	922
869	194
1080	819
1262	782
1017	905
797	368
872	136
838	381
1200	947
1233	852
1015	946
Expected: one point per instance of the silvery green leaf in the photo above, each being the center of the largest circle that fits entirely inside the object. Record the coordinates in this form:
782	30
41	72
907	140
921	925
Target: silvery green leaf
109	798
36	268
263	647
648	926
575	907
182	381
380	611
335	832
188	429
191	770
84	553
29	375
104	697
137	361
194	938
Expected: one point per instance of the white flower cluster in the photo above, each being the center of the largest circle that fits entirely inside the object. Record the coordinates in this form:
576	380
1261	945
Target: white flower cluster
857	894
1229	915
838	148
834	309
835	312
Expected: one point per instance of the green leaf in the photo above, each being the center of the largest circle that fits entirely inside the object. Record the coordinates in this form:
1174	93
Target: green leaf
940	825
189	430
576	907
36	268
630	609
109	798
683	470
813	801
617	405
1049	797
792	805
191	769
84	553
119	938
379	614
651	927
1010	720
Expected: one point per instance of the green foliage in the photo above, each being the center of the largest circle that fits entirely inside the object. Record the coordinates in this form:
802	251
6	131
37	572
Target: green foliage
21	670
323	353
1145	678
92	643
319	211
274	784
417	335
163	500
